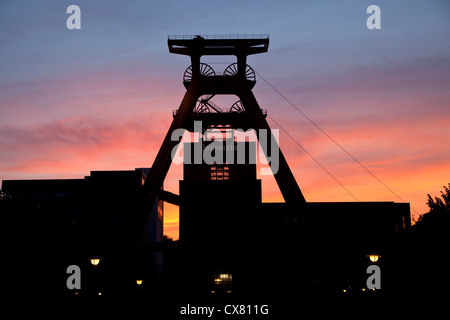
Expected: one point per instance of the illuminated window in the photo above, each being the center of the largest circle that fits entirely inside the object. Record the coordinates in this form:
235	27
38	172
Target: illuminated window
222	281
220	172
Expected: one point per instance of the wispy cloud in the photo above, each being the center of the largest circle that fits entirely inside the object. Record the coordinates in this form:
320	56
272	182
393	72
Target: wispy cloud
74	145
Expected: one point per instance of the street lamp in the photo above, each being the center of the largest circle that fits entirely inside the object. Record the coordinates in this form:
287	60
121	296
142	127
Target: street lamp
95	261
374	257
139	282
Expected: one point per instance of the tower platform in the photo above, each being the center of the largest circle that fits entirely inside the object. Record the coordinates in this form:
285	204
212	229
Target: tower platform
236	44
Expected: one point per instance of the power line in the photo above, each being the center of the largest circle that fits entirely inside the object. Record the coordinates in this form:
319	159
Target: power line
334	141
315	160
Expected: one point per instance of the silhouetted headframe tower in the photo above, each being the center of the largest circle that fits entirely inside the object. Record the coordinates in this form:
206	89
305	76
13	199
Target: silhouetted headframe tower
202	83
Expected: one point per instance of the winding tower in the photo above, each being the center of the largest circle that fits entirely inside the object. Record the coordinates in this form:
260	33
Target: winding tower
202	83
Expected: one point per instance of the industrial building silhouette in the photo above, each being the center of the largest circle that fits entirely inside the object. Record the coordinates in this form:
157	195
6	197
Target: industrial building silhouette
231	243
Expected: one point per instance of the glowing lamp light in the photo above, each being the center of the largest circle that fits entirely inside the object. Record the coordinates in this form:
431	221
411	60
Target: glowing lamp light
95	261
374	257
139	282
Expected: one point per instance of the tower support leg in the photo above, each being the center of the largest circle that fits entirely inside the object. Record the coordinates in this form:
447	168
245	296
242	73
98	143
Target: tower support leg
283	176
163	160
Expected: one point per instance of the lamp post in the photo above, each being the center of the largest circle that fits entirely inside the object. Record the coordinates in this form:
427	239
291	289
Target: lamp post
95	276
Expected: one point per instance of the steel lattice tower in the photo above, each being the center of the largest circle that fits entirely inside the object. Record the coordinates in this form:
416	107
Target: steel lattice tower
202	83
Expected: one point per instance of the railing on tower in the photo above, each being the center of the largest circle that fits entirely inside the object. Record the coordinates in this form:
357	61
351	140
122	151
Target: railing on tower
219	36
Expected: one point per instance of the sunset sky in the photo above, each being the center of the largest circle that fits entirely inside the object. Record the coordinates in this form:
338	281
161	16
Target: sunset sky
101	98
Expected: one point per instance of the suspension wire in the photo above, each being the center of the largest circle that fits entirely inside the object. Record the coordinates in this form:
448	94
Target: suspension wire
312	157
333	140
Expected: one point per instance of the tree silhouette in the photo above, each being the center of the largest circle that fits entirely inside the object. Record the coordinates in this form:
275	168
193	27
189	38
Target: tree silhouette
440	204
439	214
427	271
